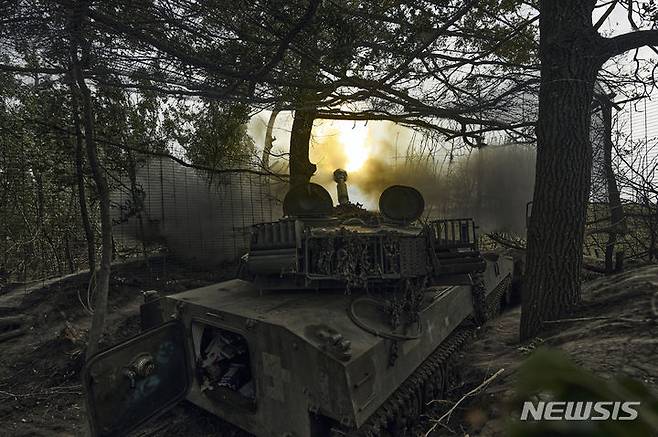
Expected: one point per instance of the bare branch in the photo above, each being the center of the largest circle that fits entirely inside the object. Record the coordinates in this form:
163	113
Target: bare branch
606	14
31	70
287	40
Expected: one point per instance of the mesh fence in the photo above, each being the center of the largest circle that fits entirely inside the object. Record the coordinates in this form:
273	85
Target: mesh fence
161	209
193	215
634	137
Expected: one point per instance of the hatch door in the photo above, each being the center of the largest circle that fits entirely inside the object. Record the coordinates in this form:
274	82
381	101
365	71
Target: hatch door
137	380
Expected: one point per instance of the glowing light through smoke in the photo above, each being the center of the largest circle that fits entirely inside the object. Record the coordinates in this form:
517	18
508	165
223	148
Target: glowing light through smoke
353	139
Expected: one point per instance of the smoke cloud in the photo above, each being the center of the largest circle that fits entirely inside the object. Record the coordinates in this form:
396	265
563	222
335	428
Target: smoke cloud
492	185
199	220
206	222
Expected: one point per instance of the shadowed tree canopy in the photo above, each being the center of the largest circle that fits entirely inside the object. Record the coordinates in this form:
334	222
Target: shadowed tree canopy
453	69
456	69
416	64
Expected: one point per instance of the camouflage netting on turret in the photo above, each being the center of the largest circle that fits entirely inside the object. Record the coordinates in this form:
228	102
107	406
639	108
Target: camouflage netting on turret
356	210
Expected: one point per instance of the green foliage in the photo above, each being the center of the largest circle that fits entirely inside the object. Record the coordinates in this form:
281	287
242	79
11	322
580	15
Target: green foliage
489	34
550	374
39	234
41	231
217	134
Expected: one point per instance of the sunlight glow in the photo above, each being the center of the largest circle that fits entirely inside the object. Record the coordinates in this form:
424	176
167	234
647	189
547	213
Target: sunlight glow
353	139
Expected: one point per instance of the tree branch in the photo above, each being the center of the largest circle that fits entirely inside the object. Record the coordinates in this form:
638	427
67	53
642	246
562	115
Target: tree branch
629	41
160	154
606	14
31	70
285	42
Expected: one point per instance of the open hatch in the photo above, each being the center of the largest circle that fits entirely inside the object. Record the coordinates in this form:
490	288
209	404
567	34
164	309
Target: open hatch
137	380
223	365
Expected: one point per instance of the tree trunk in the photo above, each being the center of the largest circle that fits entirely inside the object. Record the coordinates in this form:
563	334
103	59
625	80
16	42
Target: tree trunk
103	276
614	200
564	160
269	140
43	262
80	181
653	231
301	168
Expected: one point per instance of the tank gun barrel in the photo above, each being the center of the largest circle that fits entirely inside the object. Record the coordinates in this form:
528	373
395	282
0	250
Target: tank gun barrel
340	177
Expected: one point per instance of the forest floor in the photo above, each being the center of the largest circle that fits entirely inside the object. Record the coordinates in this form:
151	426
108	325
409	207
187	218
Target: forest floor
40	392
613	334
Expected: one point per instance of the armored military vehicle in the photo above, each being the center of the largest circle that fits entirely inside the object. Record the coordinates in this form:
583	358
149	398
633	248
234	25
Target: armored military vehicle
343	324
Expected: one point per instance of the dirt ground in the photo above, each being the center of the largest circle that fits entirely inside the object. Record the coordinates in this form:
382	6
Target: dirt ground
40	392
602	338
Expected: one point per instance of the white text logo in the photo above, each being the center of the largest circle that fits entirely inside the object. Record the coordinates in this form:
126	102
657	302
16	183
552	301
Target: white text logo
572	410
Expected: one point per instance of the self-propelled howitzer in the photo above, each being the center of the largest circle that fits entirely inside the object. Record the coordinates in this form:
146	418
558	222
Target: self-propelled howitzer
342	324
